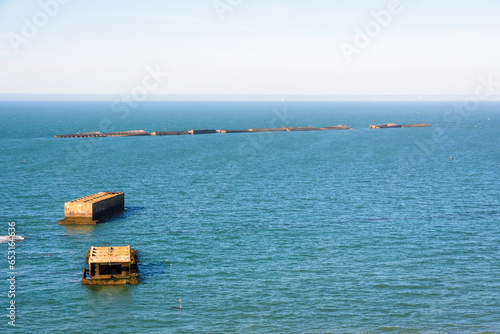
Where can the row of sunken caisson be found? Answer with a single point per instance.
(194, 132)
(213, 131)
(106, 265)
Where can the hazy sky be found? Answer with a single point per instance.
(417, 47)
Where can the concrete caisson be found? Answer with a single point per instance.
(93, 209)
(394, 125)
(111, 266)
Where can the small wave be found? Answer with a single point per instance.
(180, 232)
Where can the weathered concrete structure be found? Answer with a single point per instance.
(297, 128)
(232, 131)
(108, 134)
(211, 131)
(82, 135)
(394, 125)
(202, 132)
(421, 125)
(93, 209)
(170, 133)
(267, 130)
(385, 126)
(127, 133)
(111, 266)
(336, 127)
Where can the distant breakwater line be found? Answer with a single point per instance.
(213, 131)
(196, 132)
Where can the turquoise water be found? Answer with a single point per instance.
(298, 232)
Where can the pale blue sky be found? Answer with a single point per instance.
(260, 47)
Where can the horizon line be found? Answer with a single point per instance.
(6, 97)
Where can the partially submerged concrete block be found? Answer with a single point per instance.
(93, 209)
(336, 127)
(82, 135)
(127, 133)
(232, 131)
(111, 266)
(385, 126)
(202, 132)
(394, 125)
(421, 125)
(302, 128)
(267, 130)
(170, 133)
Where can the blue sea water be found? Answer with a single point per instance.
(353, 231)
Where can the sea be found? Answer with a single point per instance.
(349, 231)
